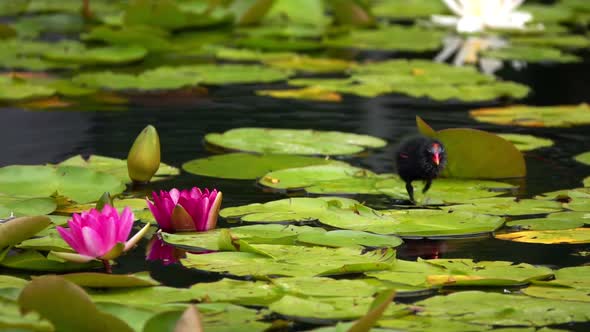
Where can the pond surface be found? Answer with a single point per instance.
(36, 137)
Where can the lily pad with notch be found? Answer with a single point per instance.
(535, 116)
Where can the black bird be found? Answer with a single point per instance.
(420, 158)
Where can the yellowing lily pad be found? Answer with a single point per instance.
(252, 166)
(535, 116)
(525, 142)
(14, 89)
(477, 154)
(292, 141)
(584, 158)
(309, 93)
(568, 236)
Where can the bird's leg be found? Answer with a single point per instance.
(427, 186)
(410, 191)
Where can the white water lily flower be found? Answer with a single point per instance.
(477, 15)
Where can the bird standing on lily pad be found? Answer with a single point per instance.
(420, 158)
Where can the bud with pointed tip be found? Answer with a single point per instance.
(143, 160)
(105, 199)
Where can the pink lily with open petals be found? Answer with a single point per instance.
(98, 234)
(186, 210)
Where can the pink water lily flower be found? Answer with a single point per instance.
(98, 234)
(186, 210)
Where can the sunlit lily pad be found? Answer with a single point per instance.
(252, 166)
(78, 53)
(292, 261)
(584, 158)
(417, 78)
(562, 41)
(558, 293)
(310, 65)
(31, 260)
(560, 220)
(116, 167)
(496, 157)
(577, 199)
(507, 206)
(525, 142)
(102, 280)
(349, 214)
(535, 116)
(70, 181)
(409, 9)
(393, 37)
(148, 37)
(414, 323)
(15, 89)
(312, 309)
(461, 272)
(24, 206)
(220, 317)
(347, 238)
(237, 292)
(292, 141)
(344, 179)
(568, 236)
(503, 310)
(531, 54)
(23, 54)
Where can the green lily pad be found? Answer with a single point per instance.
(583, 158)
(417, 78)
(237, 292)
(345, 179)
(148, 37)
(14, 89)
(12, 282)
(535, 116)
(587, 182)
(23, 54)
(292, 141)
(142, 296)
(388, 38)
(577, 199)
(409, 9)
(308, 64)
(558, 293)
(503, 310)
(560, 220)
(170, 78)
(67, 306)
(525, 142)
(291, 261)
(507, 206)
(349, 214)
(548, 40)
(19, 206)
(325, 287)
(413, 323)
(78, 53)
(31, 260)
(102, 280)
(70, 181)
(215, 317)
(312, 309)
(461, 273)
(252, 166)
(496, 158)
(347, 238)
(51, 242)
(531, 54)
(116, 167)
(555, 13)
(12, 319)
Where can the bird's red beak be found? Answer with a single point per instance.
(436, 158)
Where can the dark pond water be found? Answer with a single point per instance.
(32, 137)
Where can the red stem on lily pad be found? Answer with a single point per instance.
(107, 266)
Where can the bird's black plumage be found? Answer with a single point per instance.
(420, 158)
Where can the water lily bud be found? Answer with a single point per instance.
(143, 160)
(105, 199)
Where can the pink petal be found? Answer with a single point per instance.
(125, 224)
(70, 239)
(94, 243)
(161, 217)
